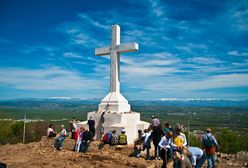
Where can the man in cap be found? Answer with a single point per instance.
(209, 143)
(155, 122)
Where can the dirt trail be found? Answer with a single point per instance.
(41, 154)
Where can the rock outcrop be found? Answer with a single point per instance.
(42, 154)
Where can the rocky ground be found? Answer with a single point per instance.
(41, 154)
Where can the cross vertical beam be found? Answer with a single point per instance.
(115, 60)
(114, 101)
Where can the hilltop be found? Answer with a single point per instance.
(41, 154)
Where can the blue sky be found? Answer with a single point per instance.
(188, 49)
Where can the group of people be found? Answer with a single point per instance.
(82, 135)
(171, 144)
(113, 138)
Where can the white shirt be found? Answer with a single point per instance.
(184, 138)
(196, 154)
(165, 142)
(63, 132)
(49, 130)
(146, 135)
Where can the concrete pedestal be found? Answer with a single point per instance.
(114, 102)
(130, 121)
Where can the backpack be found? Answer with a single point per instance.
(106, 137)
(88, 135)
(208, 143)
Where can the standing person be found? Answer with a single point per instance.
(123, 138)
(209, 143)
(196, 155)
(164, 144)
(147, 142)
(179, 141)
(73, 128)
(155, 122)
(183, 160)
(60, 138)
(91, 124)
(50, 132)
(79, 140)
(156, 136)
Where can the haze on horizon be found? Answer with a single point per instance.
(188, 49)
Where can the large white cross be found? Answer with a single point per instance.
(114, 50)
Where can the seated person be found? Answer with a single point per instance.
(114, 138)
(60, 138)
(123, 138)
(50, 131)
(107, 137)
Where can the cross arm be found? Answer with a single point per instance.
(102, 51)
(128, 47)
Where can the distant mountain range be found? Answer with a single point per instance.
(161, 102)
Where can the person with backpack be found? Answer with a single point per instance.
(123, 138)
(114, 140)
(209, 143)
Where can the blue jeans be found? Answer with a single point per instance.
(58, 142)
(147, 152)
(211, 161)
(200, 162)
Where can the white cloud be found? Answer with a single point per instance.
(240, 19)
(90, 20)
(72, 55)
(53, 78)
(146, 71)
(157, 8)
(33, 48)
(175, 84)
(237, 53)
(204, 60)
